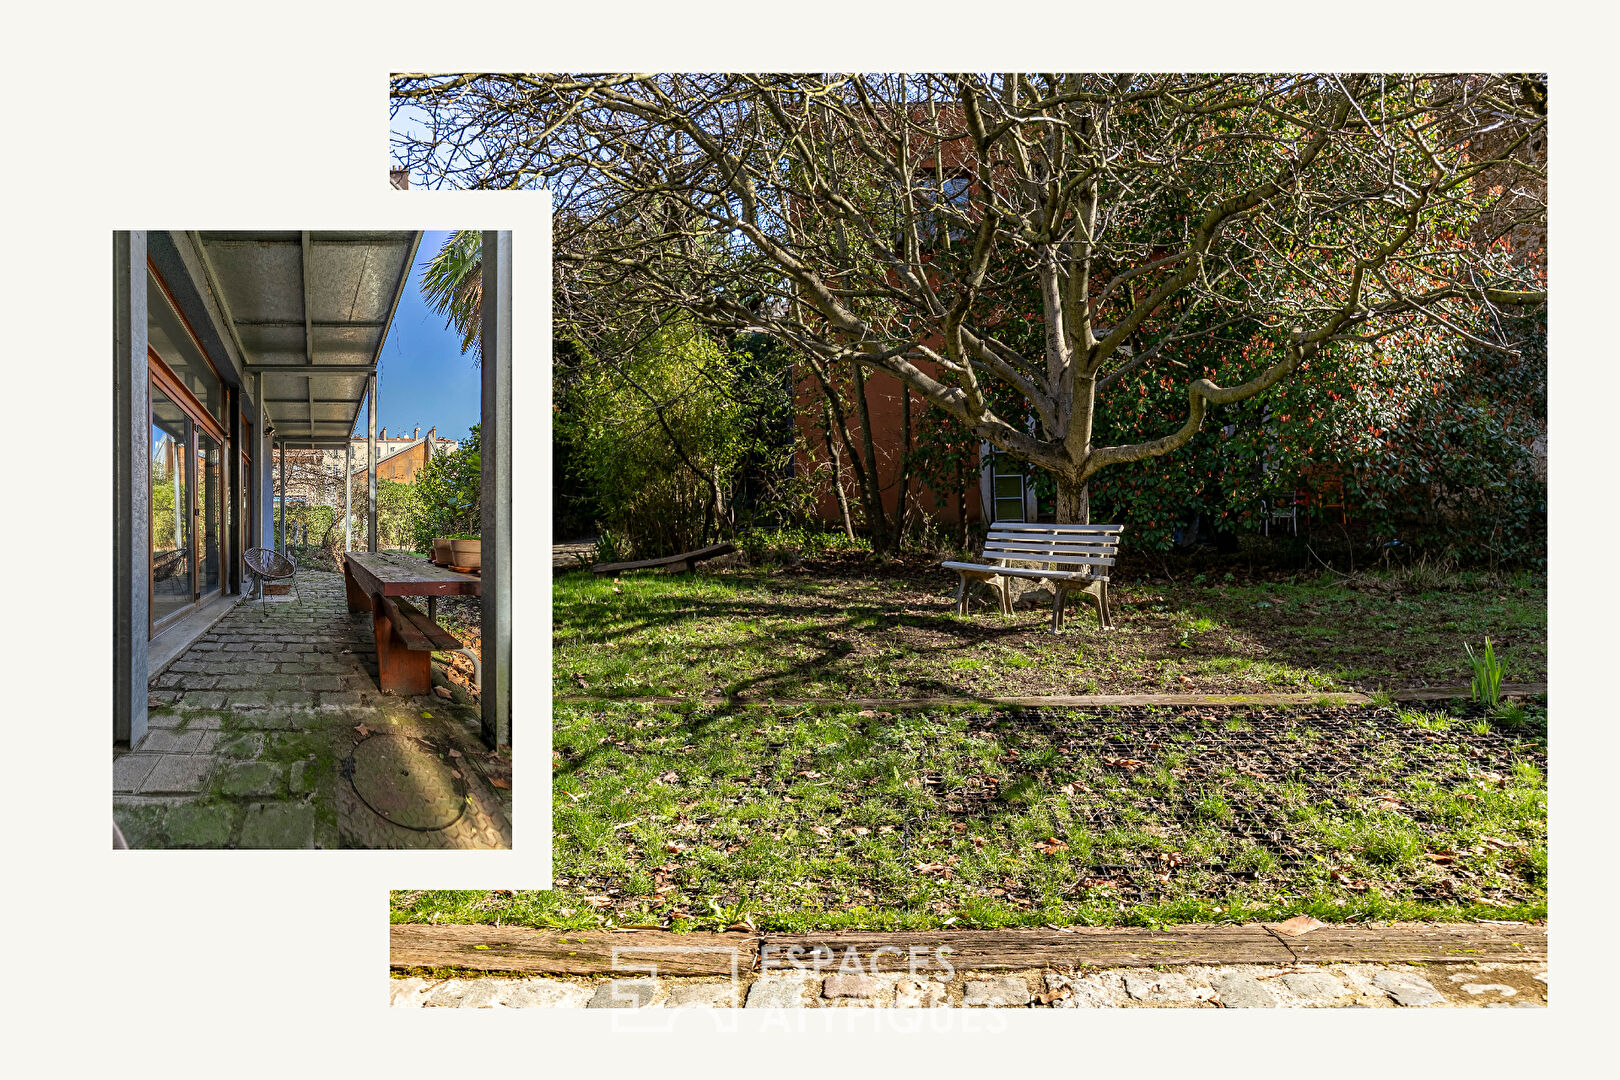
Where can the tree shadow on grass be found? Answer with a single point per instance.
(891, 631)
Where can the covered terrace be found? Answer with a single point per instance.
(249, 721)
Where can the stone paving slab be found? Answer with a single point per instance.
(1358, 986)
(252, 724)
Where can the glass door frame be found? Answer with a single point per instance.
(198, 422)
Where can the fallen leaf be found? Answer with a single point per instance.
(1298, 925)
(362, 730)
(1051, 846)
(455, 753)
(501, 782)
(443, 692)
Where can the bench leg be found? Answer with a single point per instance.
(961, 593)
(402, 671)
(1059, 595)
(358, 600)
(1004, 593)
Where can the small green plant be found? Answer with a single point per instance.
(610, 547)
(1511, 714)
(1487, 684)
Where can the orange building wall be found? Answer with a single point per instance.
(401, 467)
(883, 401)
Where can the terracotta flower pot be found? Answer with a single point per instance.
(441, 550)
(465, 553)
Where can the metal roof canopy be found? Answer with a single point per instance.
(310, 312)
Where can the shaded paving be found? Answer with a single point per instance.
(271, 732)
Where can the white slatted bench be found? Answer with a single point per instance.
(1074, 558)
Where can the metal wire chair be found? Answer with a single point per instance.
(267, 564)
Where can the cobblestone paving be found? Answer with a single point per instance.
(1247, 986)
(251, 727)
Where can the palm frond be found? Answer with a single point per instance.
(453, 284)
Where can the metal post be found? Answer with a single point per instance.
(132, 435)
(348, 470)
(231, 469)
(281, 529)
(262, 519)
(371, 462)
(495, 530)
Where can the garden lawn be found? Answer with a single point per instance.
(692, 817)
(845, 626)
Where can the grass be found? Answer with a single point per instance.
(703, 816)
(843, 626)
(694, 818)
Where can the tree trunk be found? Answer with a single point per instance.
(905, 468)
(877, 522)
(1073, 501)
(838, 473)
(865, 478)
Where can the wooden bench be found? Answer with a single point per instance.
(406, 636)
(687, 560)
(1074, 558)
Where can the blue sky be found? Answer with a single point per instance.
(424, 379)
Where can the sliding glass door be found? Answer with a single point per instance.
(211, 514)
(188, 468)
(188, 502)
(172, 550)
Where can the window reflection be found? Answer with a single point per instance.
(171, 510)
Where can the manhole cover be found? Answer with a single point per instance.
(405, 781)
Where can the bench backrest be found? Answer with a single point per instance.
(1063, 546)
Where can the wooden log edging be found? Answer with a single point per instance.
(1446, 693)
(589, 952)
(541, 952)
(1038, 702)
(1073, 701)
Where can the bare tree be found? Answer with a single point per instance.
(1023, 237)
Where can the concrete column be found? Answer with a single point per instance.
(132, 448)
(495, 530)
(264, 520)
(231, 467)
(371, 462)
(348, 469)
(281, 469)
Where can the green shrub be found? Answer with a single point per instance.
(444, 498)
